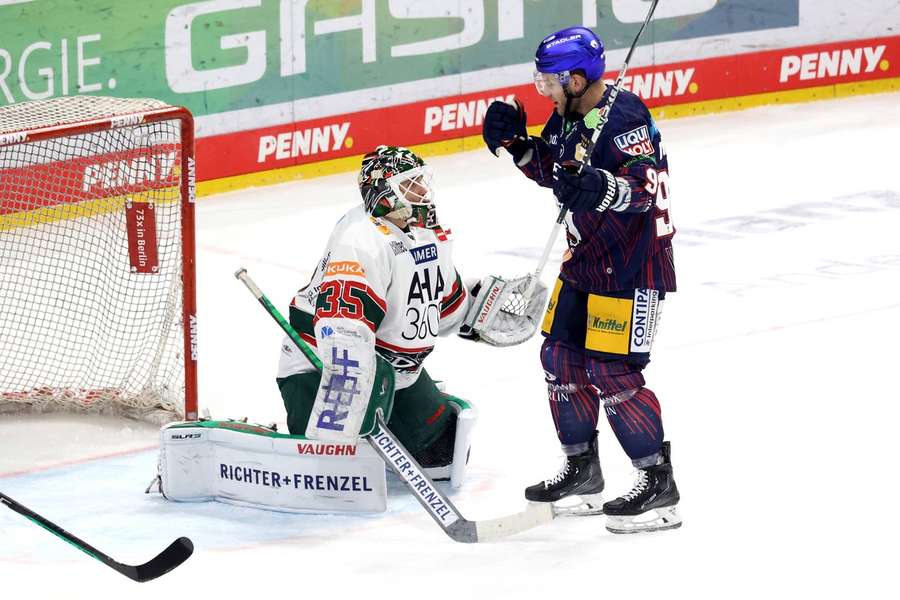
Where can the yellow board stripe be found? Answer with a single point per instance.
(77, 210)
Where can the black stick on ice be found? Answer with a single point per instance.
(177, 552)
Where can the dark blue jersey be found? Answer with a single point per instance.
(629, 245)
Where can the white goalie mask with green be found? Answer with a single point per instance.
(396, 183)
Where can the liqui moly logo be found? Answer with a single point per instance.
(127, 173)
(306, 142)
(458, 115)
(326, 449)
(836, 63)
(636, 142)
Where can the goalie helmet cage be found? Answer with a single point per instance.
(97, 259)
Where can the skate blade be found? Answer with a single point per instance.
(657, 519)
(579, 506)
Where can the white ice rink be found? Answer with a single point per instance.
(776, 367)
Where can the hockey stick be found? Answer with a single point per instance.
(177, 552)
(386, 444)
(596, 119)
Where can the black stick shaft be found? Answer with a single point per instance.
(175, 554)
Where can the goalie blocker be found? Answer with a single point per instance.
(249, 465)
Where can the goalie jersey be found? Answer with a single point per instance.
(377, 289)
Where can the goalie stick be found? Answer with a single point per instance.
(176, 553)
(596, 119)
(386, 444)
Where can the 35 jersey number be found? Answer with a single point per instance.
(338, 300)
(658, 185)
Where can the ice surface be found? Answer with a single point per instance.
(776, 367)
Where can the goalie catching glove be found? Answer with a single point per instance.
(500, 314)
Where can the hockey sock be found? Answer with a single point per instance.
(638, 426)
(575, 410)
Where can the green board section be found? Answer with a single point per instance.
(222, 55)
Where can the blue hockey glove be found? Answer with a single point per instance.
(504, 125)
(591, 189)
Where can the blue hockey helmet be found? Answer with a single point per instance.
(569, 50)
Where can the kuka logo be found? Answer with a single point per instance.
(313, 140)
(837, 63)
(345, 267)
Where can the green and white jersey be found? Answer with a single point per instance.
(377, 288)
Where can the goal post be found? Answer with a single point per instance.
(97, 258)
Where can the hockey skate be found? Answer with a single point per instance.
(576, 489)
(651, 505)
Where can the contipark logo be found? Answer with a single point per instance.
(834, 63)
(304, 142)
(459, 115)
(661, 84)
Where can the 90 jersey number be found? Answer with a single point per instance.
(658, 186)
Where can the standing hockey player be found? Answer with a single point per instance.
(385, 284)
(604, 310)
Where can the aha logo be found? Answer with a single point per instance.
(636, 142)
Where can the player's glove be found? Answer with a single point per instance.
(591, 189)
(504, 126)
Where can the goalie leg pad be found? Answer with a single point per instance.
(248, 465)
(298, 392)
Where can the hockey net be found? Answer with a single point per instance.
(97, 297)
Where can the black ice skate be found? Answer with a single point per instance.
(651, 505)
(580, 479)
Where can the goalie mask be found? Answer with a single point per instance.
(396, 183)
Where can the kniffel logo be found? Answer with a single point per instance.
(424, 253)
(609, 325)
(636, 142)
